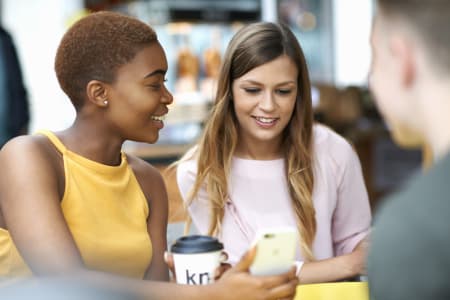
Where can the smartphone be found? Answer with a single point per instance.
(275, 251)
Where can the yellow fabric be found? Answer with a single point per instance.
(11, 263)
(106, 212)
(333, 291)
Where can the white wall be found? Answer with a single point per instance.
(352, 20)
(269, 10)
(36, 27)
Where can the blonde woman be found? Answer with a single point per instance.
(262, 161)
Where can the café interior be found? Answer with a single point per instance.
(333, 33)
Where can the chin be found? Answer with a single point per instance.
(406, 137)
(151, 139)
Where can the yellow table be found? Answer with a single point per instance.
(333, 291)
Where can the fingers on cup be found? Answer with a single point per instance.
(223, 257)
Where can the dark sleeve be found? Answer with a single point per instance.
(409, 254)
(18, 106)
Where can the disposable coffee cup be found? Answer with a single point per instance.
(196, 257)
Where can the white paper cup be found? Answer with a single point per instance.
(196, 257)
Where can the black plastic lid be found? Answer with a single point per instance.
(196, 244)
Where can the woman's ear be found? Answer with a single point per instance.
(97, 93)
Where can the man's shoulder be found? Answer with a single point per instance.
(416, 216)
(425, 194)
(410, 243)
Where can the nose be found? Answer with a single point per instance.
(267, 101)
(167, 97)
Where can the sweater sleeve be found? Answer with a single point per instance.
(352, 215)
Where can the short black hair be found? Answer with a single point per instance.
(95, 47)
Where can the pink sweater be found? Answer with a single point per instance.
(259, 199)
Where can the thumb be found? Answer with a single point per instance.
(246, 260)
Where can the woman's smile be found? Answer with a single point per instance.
(266, 122)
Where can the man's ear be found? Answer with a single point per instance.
(404, 56)
(97, 93)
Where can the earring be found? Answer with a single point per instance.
(105, 102)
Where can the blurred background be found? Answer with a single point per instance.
(333, 33)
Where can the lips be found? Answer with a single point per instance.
(265, 120)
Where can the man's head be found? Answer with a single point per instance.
(411, 48)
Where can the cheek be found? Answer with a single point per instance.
(242, 104)
(238, 109)
(379, 89)
(289, 107)
(241, 115)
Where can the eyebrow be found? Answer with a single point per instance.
(256, 82)
(156, 72)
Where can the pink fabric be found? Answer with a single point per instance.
(259, 199)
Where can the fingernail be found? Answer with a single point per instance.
(223, 257)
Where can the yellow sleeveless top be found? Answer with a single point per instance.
(106, 212)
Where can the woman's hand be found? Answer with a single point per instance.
(168, 258)
(229, 281)
(238, 283)
(223, 266)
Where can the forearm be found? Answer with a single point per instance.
(332, 269)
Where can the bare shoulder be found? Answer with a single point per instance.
(148, 176)
(31, 173)
(27, 151)
(143, 169)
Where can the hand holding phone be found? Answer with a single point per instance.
(275, 251)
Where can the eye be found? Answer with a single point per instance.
(252, 90)
(284, 91)
(157, 86)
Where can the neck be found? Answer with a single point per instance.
(258, 150)
(96, 145)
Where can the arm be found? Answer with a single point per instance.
(350, 223)
(336, 268)
(30, 202)
(154, 188)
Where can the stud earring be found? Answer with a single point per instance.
(105, 102)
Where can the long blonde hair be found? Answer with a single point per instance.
(252, 46)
